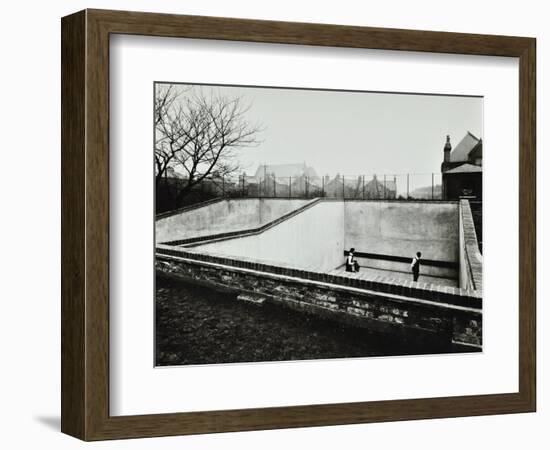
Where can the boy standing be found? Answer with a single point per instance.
(415, 266)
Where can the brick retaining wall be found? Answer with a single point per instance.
(425, 291)
(398, 306)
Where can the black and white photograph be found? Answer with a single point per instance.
(306, 224)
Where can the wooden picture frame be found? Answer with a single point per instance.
(85, 224)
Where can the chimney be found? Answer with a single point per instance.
(447, 150)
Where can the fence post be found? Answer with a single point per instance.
(274, 187)
(289, 187)
(407, 186)
(343, 187)
(384, 186)
(432, 185)
(223, 185)
(243, 185)
(323, 186)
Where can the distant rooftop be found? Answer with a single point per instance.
(285, 170)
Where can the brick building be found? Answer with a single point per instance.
(462, 168)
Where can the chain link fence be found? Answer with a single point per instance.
(174, 193)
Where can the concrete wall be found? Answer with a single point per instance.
(317, 237)
(223, 216)
(313, 240)
(403, 228)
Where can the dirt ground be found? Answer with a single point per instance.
(197, 325)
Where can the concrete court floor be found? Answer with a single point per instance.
(370, 272)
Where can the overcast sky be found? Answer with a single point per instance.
(355, 133)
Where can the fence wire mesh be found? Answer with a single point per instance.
(177, 192)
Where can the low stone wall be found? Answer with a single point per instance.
(391, 307)
(407, 288)
(471, 260)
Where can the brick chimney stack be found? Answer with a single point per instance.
(447, 150)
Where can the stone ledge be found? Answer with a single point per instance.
(471, 246)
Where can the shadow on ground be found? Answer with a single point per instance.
(51, 422)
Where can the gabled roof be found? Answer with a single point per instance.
(374, 183)
(465, 168)
(285, 170)
(462, 150)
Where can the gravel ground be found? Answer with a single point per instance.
(197, 325)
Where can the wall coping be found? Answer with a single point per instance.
(410, 289)
(474, 258)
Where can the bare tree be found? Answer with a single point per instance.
(199, 133)
(165, 98)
